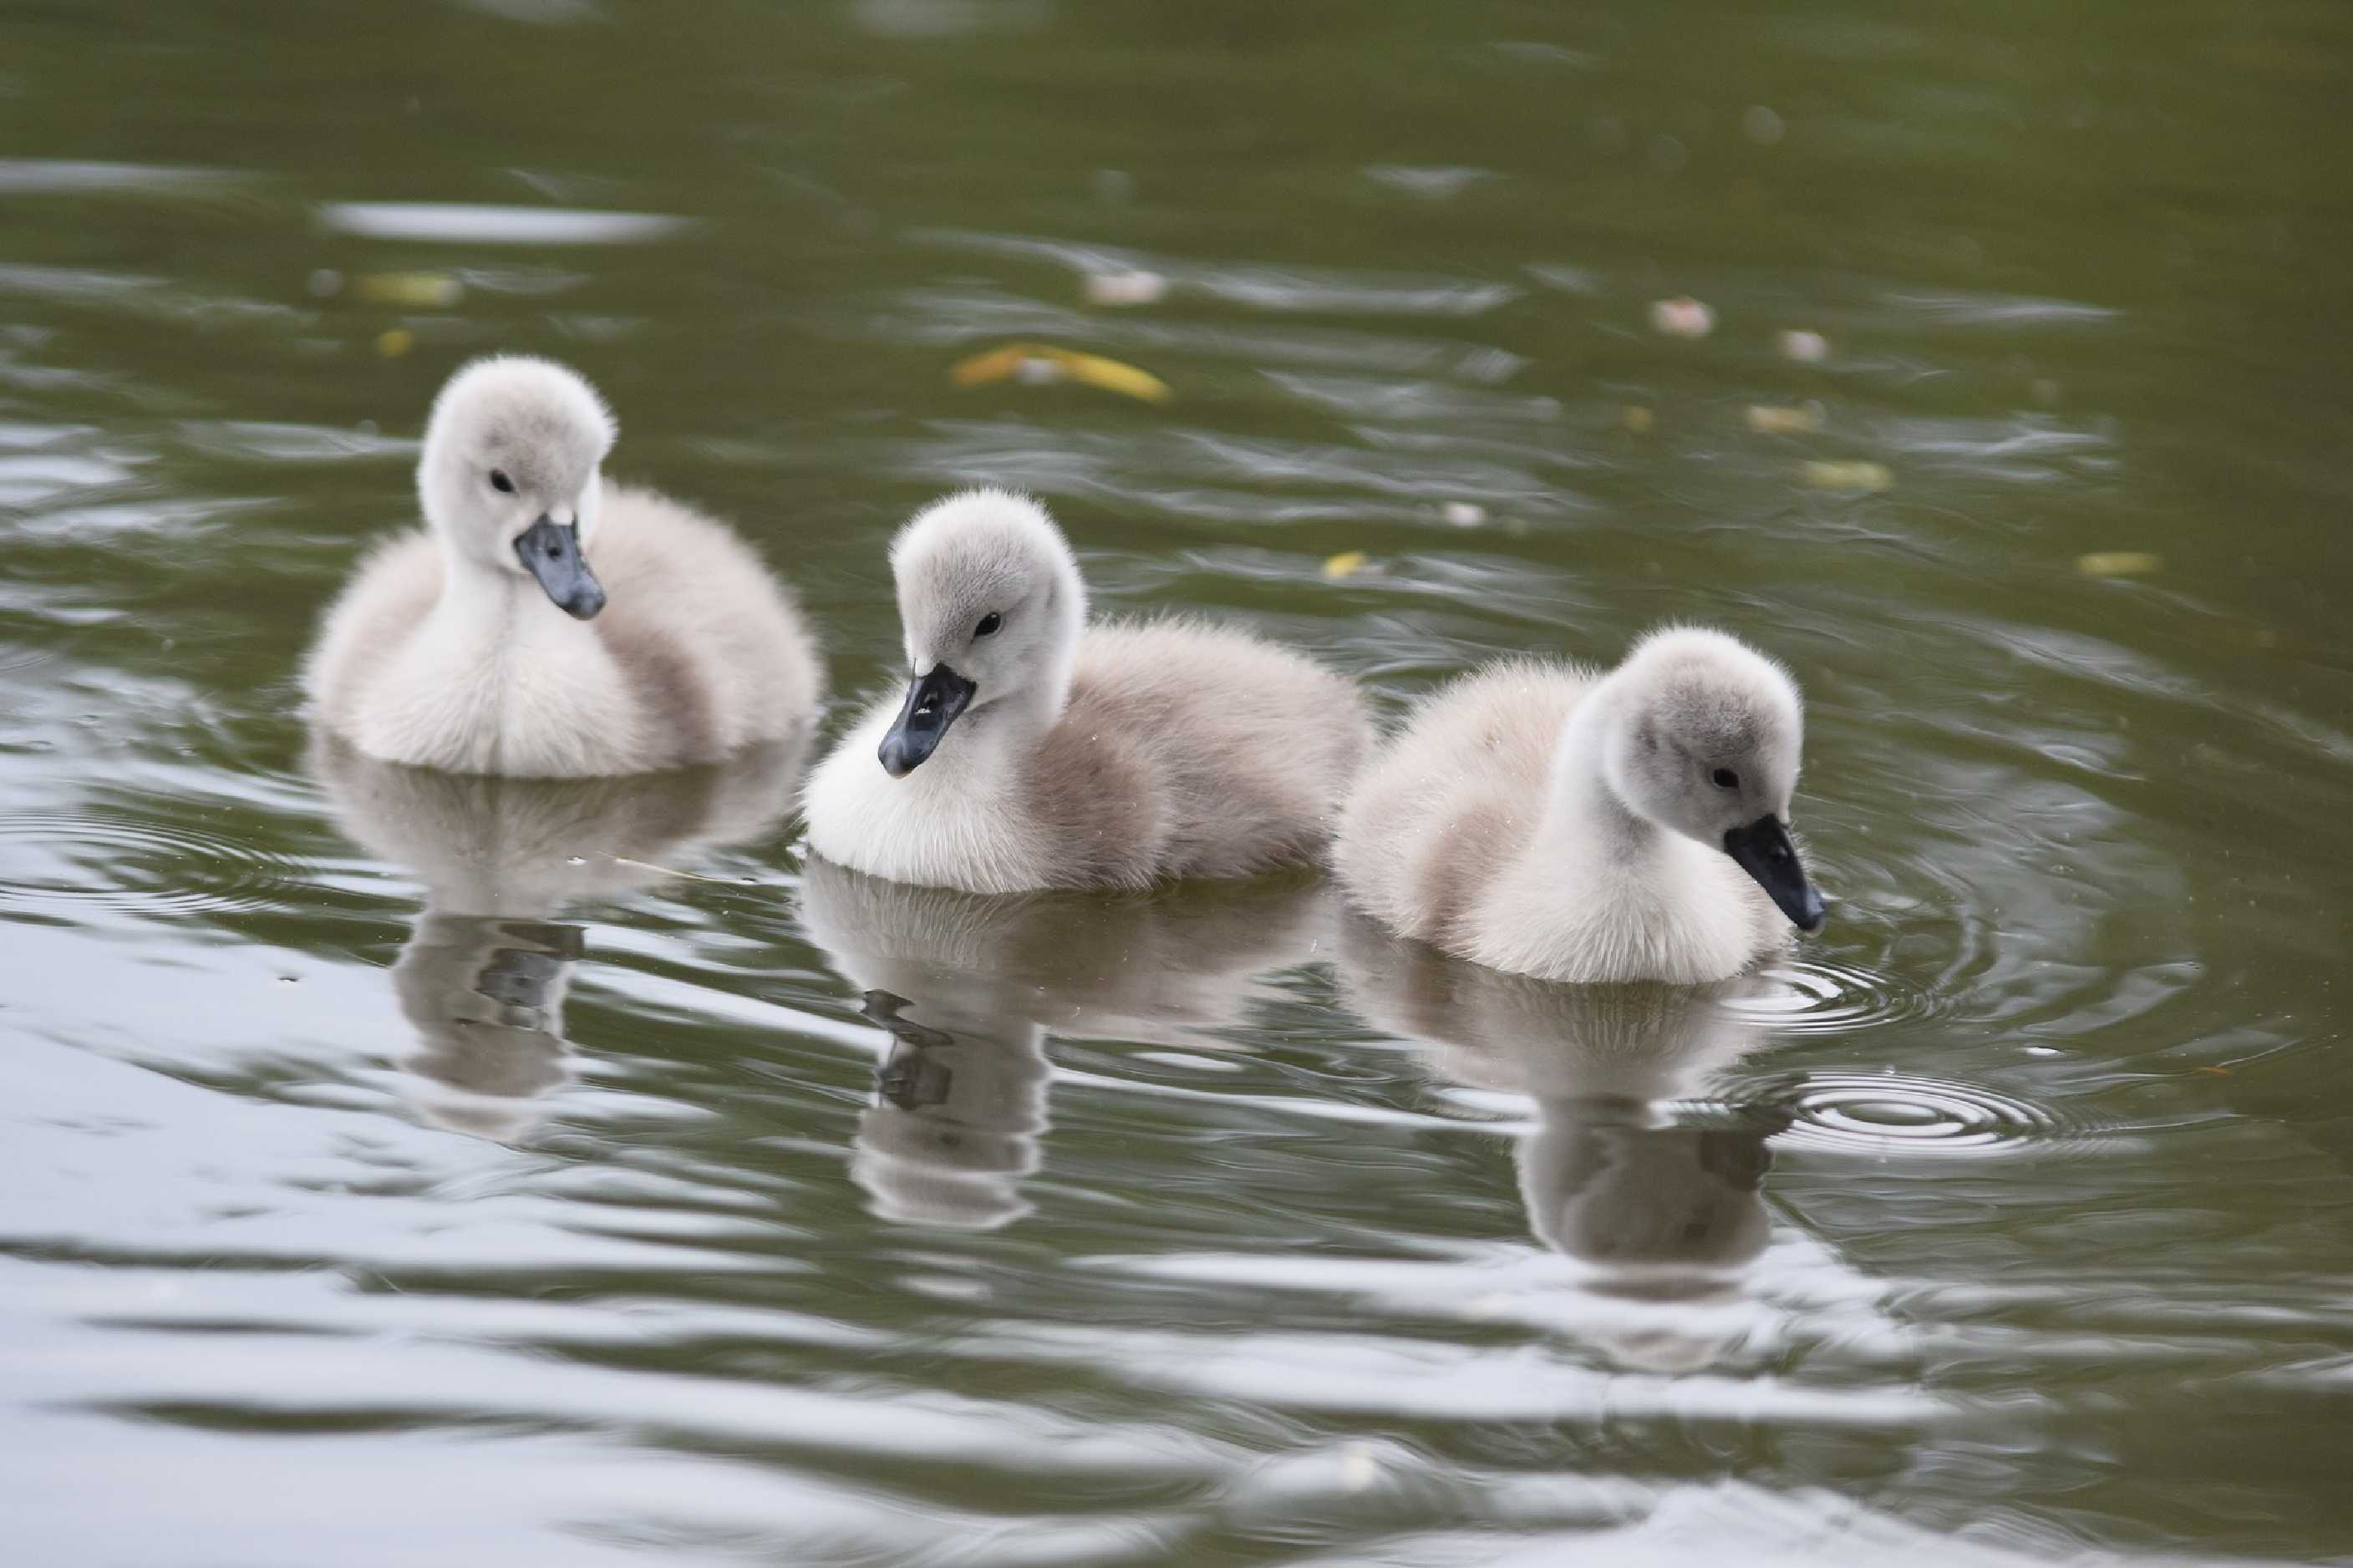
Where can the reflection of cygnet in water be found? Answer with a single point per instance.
(486, 999)
(969, 986)
(483, 974)
(1659, 1212)
(956, 1118)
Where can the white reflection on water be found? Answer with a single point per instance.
(483, 974)
(453, 223)
(968, 988)
(37, 177)
(1664, 1212)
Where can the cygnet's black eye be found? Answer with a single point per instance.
(501, 483)
(988, 624)
(1725, 778)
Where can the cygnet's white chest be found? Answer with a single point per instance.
(1671, 913)
(952, 823)
(514, 687)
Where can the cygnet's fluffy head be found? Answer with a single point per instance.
(991, 605)
(511, 474)
(1704, 737)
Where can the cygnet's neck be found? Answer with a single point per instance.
(1584, 818)
(996, 735)
(997, 729)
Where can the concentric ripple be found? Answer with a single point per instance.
(1811, 996)
(1891, 1115)
(120, 863)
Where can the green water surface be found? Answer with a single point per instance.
(405, 1171)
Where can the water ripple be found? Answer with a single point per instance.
(1816, 996)
(30, 176)
(1896, 1116)
(1351, 290)
(60, 859)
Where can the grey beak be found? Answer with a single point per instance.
(1763, 850)
(552, 551)
(933, 703)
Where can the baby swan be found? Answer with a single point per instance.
(547, 623)
(1589, 826)
(1082, 756)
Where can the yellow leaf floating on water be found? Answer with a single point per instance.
(1779, 421)
(417, 290)
(394, 344)
(1043, 365)
(1347, 563)
(1848, 475)
(2119, 564)
(996, 364)
(1639, 419)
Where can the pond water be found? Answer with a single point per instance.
(405, 1170)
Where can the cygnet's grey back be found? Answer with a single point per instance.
(714, 645)
(1453, 795)
(1191, 750)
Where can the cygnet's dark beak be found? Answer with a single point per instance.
(552, 551)
(1763, 850)
(933, 703)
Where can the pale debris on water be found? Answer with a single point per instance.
(1848, 475)
(1684, 317)
(1347, 563)
(1359, 1468)
(1042, 364)
(1135, 287)
(667, 871)
(1775, 420)
(395, 342)
(1806, 347)
(1639, 419)
(2119, 564)
(1464, 513)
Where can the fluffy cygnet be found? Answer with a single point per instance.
(1589, 827)
(1033, 751)
(547, 623)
